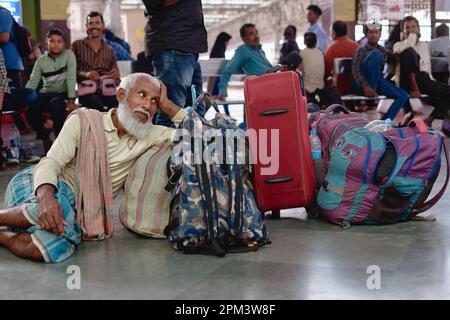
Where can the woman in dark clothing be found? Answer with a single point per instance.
(220, 46)
(218, 51)
(290, 45)
(394, 37)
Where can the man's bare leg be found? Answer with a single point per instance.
(21, 245)
(14, 217)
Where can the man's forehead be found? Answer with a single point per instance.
(145, 84)
(411, 23)
(94, 19)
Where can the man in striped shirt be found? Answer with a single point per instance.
(95, 59)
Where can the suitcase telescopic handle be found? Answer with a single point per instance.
(279, 180)
(273, 112)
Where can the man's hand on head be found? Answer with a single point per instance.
(164, 104)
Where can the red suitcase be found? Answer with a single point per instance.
(278, 101)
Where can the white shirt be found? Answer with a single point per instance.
(422, 50)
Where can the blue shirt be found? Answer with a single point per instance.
(253, 62)
(121, 53)
(13, 60)
(322, 37)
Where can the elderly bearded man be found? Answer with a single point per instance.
(68, 196)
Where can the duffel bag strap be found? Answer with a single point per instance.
(336, 107)
(205, 189)
(209, 102)
(173, 178)
(427, 205)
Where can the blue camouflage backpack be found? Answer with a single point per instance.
(213, 208)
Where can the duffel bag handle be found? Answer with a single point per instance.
(427, 205)
(335, 107)
(419, 124)
(209, 101)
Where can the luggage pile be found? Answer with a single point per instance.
(361, 176)
(378, 178)
(375, 177)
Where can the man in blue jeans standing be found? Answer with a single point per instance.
(175, 35)
(367, 71)
(13, 63)
(19, 96)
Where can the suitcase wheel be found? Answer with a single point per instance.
(275, 214)
(346, 225)
(313, 211)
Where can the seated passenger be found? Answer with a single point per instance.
(439, 45)
(121, 48)
(249, 57)
(367, 72)
(95, 59)
(289, 45)
(415, 70)
(342, 47)
(68, 196)
(313, 64)
(57, 71)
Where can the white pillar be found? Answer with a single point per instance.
(112, 16)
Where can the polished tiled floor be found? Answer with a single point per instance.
(307, 260)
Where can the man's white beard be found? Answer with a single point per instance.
(132, 125)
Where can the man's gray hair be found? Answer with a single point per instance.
(129, 81)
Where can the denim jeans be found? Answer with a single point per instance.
(16, 100)
(55, 104)
(371, 69)
(179, 71)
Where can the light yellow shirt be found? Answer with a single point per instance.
(313, 67)
(122, 152)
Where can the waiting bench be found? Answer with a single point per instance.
(214, 68)
(344, 66)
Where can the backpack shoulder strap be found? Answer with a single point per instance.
(427, 205)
